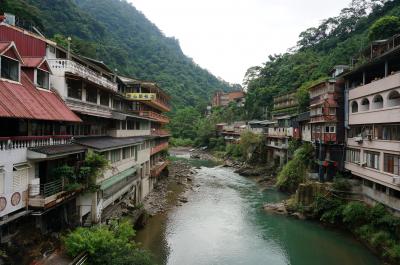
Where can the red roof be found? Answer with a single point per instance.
(34, 62)
(4, 45)
(26, 101)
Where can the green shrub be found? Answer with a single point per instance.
(380, 239)
(365, 231)
(356, 214)
(181, 142)
(393, 253)
(65, 172)
(384, 27)
(234, 150)
(328, 209)
(341, 184)
(107, 244)
(291, 175)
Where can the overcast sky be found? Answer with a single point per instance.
(229, 36)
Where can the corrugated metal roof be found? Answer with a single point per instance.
(33, 61)
(24, 100)
(102, 143)
(59, 149)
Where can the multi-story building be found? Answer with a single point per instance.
(223, 99)
(302, 127)
(373, 123)
(281, 129)
(56, 106)
(327, 120)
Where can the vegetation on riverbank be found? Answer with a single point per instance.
(107, 244)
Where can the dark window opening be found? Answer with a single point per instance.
(9, 69)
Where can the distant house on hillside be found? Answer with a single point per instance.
(223, 99)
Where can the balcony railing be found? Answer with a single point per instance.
(160, 132)
(58, 66)
(88, 107)
(158, 148)
(21, 142)
(154, 115)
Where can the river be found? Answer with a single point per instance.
(224, 224)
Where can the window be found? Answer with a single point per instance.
(115, 155)
(380, 188)
(9, 69)
(364, 104)
(394, 99)
(117, 104)
(134, 152)
(330, 129)
(391, 164)
(91, 94)
(368, 183)
(387, 132)
(332, 111)
(131, 125)
(353, 155)
(371, 159)
(394, 193)
(126, 153)
(42, 79)
(354, 107)
(74, 89)
(377, 102)
(104, 98)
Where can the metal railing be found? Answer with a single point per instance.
(81, 70)
(47, 189)
(20, 142)
(153, 115)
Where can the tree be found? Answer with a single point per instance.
(384, 27)
(184, 123)
(107, 245)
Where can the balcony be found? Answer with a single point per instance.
(158, 168)
(158, 148)
(160, 132)
(150, 101)
(49, 194)
(23, 142)
(89, 108)
(59, 67)
(280, 132)
(153, 115)
(324, 137)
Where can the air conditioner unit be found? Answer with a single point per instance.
(358, 139)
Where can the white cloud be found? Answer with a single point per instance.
(229, 36)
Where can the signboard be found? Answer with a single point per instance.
(141, 96)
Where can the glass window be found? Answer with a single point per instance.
(104, 98)
(371, 159)
(91, 94)
(391, 164)
(332, 111)
(9, 69)
(368, 183)
(353, 156)
(42, 79)
(74, 89)
(126, 153)
(115, 155)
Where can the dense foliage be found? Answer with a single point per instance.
(295, 171)
(115, 32)
(374, 225)
(107, 244)
(335, 41)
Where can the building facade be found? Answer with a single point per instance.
(57, 107)
(373, 121)
(223, 99)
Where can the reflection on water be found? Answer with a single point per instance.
(223, 223)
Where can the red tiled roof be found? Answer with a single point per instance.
(26, 101)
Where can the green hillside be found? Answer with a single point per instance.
(335, 41)
(117, 33)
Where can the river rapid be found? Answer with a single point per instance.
(224, 224)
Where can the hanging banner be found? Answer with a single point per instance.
(141, 96)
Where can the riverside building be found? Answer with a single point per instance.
(56, 106)
(373, 122)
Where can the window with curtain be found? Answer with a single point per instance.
(391, 164)
(353, 155)
(372, 159)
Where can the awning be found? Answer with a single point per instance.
(104, 143)
(51, 151)
(117, 178)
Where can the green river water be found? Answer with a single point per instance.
(224, 224)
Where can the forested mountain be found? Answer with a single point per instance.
(117, 33)
(335, 41)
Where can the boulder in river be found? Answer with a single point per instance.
(276, 208)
